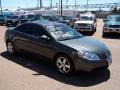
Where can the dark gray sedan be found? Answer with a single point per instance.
(63, 46)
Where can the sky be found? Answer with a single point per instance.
(14, 4)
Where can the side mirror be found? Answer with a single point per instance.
(44, 38)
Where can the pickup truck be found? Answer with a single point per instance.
(86, 23)
(111, 25)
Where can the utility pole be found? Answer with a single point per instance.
(87, 6)
(75, 6)
(50, 3)
(66, 3)
(1, 6)
(41, 4)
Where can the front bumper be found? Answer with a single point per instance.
(112, 30)
(84, 29)
(89, 66)
(11, 23)
(2, 22)
(23, 21)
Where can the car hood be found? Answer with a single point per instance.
(113, 23)
(86, 44)
(86, 22)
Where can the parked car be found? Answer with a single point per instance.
(56, 19)
(31, 17)
(21, 20)
(51, 18)
(86, 23)
(69, 20)
(111, 25)
(67, 49)
(2, 19)
(12, 20)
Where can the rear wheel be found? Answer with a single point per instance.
(10, 48)
(64, 65)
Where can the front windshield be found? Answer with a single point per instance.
(117, 18)
(47, 17)
(62, 32)
(22, 17)
(13, 17)
(1, 16)
(87, 18)
(30, 16)
(65, 17)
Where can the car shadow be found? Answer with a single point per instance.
(79, 79)
(112, 36)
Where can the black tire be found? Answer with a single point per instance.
(66, 67)
(104, 34)
(1, 24)
(10, 48)
(7, 25)
(95, 29)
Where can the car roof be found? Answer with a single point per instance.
(88, 15)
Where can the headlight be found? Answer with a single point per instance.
(88, 55)
(75, 25)
(106, 26)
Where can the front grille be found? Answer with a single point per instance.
(82, 25)
(1, 20)
(114, 26)
(9, 21)
(23, 21)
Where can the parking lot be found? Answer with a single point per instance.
(27, 73)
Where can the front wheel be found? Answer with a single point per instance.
(10, 48)
(64, 65)
(104, 34)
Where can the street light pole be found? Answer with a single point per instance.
(61, 7)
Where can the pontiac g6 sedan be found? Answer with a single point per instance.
(67, 49)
